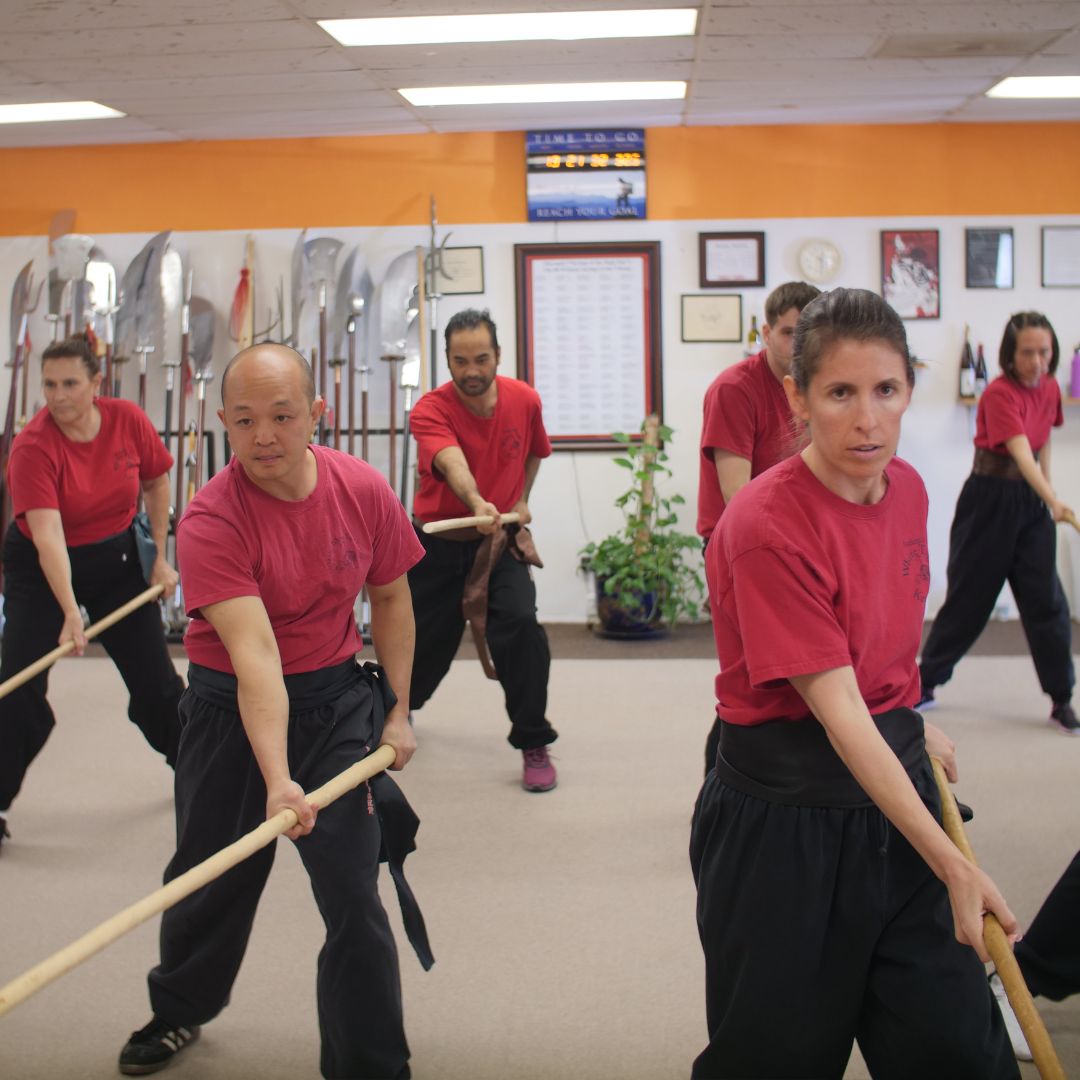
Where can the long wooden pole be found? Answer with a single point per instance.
(50, 969)
(92, 631)
(469, 522)
(997, 945)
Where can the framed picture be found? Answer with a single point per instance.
(712, 318)
(1061, 256)
(733, 258)
(910, 283)
(589, 337)
(459, 271)
(988, 258)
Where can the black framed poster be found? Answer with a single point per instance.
(988, 258)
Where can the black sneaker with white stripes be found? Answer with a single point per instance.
(154, 1046)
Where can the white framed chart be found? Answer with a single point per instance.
(588, 322)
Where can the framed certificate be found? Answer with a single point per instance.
(733, 258)
(589, 337)
(1061, 256)
(459, 271)
(712, 318)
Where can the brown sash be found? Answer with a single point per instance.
(474, 601)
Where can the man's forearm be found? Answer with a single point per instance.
(393, 633)
(532, 467)
(264, 712)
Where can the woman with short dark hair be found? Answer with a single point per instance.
(75, 474)
(1003, 529)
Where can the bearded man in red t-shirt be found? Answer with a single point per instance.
(480, 439)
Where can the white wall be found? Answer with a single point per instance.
(572, 501)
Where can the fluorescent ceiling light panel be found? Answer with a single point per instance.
(44, 111)
(1037, 86)
(526, 93)
(521, 26)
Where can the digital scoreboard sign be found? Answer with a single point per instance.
(585, 175)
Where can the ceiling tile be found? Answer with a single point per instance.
(164, 41)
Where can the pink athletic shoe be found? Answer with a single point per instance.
(539, 773)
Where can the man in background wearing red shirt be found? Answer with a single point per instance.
(481, 437)
(747, 426)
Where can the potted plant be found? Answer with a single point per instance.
(647, 574)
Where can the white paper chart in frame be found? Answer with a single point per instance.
(589, 337)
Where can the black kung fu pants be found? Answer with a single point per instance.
(104, 576)
(1049, 952)
(821, 925)
(220, 794)
(518, 643)
(1002, 531)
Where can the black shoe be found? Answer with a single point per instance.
(154, 1046)
(1062, 716)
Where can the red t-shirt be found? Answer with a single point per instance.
(495, 447)
(1008, 408)
(95, 484)
(307, 561)
(746, 413)
(802, 581)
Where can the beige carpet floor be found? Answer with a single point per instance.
(563, 924)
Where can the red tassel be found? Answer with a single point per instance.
(241, 299)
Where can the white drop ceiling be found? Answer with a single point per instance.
(257, 69)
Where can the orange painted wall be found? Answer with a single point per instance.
(697, 172)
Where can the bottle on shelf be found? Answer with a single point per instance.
(980, 371)
(967, 368)
(1074, 376)
(753, 338)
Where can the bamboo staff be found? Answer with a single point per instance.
(469, 522)
(50, 969)
(650, 446)
(50, 658)
(997, 945)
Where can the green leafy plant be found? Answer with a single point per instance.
(648, 557)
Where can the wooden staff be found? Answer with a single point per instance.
(49, 659)
(997, 945)
(19, 989)
(469, 522)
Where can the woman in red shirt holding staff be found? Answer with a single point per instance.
(74, 475)
(1003, 529)
(831, 905)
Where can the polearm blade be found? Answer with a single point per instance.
(410, 377)
(353, 297)
(101, 277)
(299, 290)
(181, 408)
(20, 303)
(141, 305)
(202, 351)
(395, 296)
(72, 256)
(320, 255)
